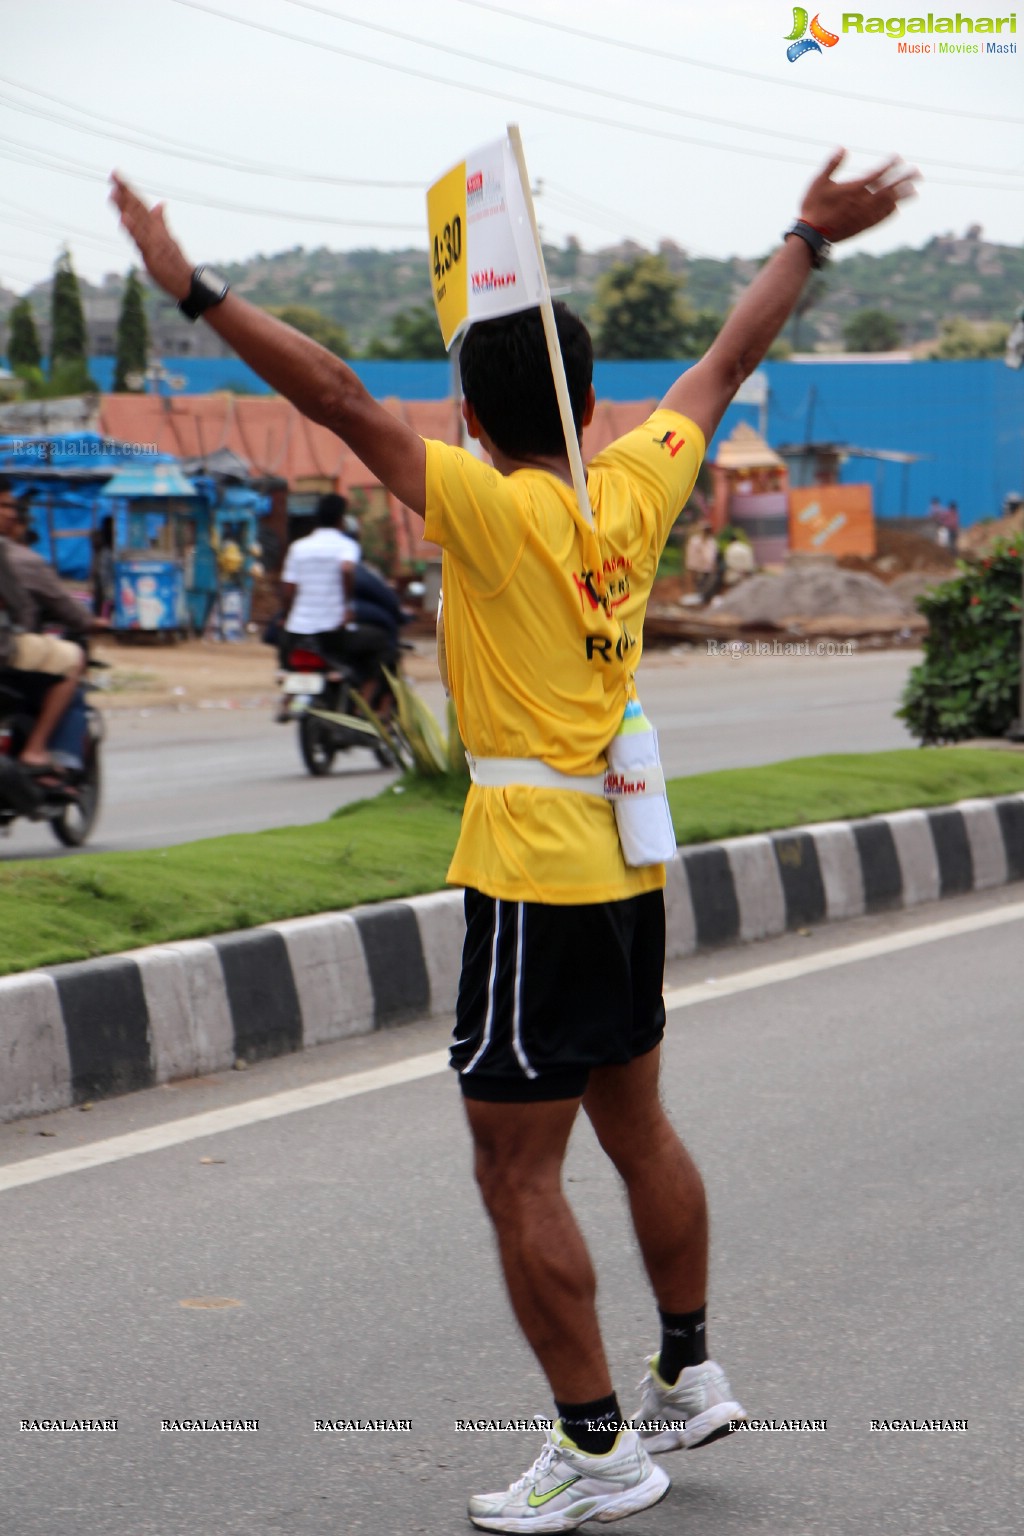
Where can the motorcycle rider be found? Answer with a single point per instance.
(322, 585)
(49, 600)
(50, 603)
(317, 572)
(60, 663)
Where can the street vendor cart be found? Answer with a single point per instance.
(154, 508)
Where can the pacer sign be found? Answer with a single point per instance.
(482, 255)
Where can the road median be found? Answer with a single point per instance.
(225, 963)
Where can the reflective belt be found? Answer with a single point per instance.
(534, 773)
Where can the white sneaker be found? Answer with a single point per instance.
(698, 1409)
(565, 1486)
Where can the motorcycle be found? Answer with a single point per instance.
(71, 803)
(320, 693)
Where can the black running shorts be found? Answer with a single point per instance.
(548, 992)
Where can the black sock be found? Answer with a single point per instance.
(592, 1426)
(682, 1343)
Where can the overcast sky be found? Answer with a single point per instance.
(668, 120)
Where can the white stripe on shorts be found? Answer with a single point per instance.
(517, 1006)
(492, 982)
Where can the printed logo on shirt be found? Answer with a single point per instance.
(585, 587)
(614, 583)
(673, 441)
(604, 649)
(606, 591)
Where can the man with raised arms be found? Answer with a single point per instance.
(560, 1000)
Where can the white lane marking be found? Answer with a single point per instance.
(213, 1121)
(115, 1149)
(849, 954)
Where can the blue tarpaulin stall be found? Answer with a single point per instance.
(151, 505)
(183, 523)
(64, 476)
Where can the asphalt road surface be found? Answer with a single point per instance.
(859, 1127)
(172, 778)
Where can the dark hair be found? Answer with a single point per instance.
(506, 377)
(6, 483)
(330, 510)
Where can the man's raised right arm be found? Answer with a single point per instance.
(835, 209)
(316, 382)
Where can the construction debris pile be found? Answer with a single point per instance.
(849, 597)
(805, 591)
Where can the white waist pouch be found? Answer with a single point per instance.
(634, 782)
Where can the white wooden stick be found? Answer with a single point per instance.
(579, 476)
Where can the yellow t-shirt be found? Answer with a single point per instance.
(543, 627)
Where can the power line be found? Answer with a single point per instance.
(728, 69)
(568, 202)
(184, 150)
(28, 154)
(49, 227)
(601, 120)
(605, 94)
(19, 259)
(476, 90)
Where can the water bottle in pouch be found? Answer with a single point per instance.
(635, 784)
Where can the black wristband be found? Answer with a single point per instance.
(205, 290)
(819, 246)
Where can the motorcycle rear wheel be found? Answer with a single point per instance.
(316, 745)
(75, 822)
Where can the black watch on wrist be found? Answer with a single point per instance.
(821, 250)
(206, 290)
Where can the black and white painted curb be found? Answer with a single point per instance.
(110, 1026)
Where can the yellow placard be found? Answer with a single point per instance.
(446, 230)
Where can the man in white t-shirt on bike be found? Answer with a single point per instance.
(317, 575)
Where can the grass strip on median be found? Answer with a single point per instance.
(399, 844)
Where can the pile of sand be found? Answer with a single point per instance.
(811, 592)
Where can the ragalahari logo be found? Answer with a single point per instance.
(799, 44)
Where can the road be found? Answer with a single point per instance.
(173, 777)
(859, 1127)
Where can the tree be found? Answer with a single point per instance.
(68, 378)
(67, 320)
(871, 330)
(639, 312)
(23, 349)
(959, 339)
(132, 337)
(415, 335)
(317, 326)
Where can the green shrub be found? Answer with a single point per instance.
(415, 740)
(969, 682)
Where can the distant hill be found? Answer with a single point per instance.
(951, 276)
